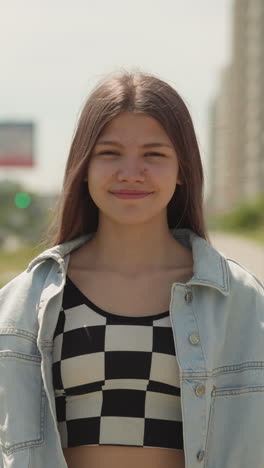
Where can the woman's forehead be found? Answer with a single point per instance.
(127, 126)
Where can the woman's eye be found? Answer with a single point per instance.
(113, 152)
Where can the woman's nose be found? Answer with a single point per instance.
(132, 170)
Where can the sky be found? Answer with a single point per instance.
(53, 53)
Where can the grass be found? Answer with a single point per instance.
(13, 263)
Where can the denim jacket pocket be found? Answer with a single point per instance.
(22, 401)
(235, 436)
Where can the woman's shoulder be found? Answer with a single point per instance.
(40, 265)
(243, 278)
(20, 298)
(26, 287)
(25, 277)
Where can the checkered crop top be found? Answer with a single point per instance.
(116, 379)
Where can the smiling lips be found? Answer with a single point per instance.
(130, 194)
(134, 191)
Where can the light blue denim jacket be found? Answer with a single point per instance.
(217, 319)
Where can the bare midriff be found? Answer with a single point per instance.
(104, 456)
(134, 296)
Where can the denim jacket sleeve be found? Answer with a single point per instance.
(26, 426)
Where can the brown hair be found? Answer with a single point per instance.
(75, 212)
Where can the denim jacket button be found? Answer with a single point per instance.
(200, 455)
(194, 338)
(188, 297)
(200, 390)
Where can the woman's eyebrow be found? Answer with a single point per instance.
(146, 145)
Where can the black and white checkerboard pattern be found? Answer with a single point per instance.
(116, 378)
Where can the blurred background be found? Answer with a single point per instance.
(52, 54)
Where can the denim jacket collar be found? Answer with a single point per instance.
(210, 267)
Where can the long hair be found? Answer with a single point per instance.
(75, 212)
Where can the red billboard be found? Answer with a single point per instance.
(16, 144)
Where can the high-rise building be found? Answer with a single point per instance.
(237, 140)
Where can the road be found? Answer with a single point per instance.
(246, 252)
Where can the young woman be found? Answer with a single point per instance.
(131, 341)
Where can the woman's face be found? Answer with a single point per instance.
(140, 157)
